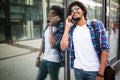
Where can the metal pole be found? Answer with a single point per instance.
(66, 69)
(7, 22)
(104, 10)
(119, 31)
(109, 18)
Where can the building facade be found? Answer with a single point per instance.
(23, 19)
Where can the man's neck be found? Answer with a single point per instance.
(81, 22)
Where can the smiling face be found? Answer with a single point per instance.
(51, 15)
(77, 13)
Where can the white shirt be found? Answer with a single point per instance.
(50, 54)
(85, 55)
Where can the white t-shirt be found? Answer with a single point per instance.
(50, 54)
(85, 55)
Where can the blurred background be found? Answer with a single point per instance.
(21, 25)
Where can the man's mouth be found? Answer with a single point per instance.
(76, 15)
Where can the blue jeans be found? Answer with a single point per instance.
(84, 75)
(47, 67)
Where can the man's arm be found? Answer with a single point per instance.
(53, 21)
(64, 40)
(103, 62)
(52, 37)
(104, 48)
(39, 56)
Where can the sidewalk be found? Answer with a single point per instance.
(117, 77)
(31, 43)
(18, 48)
(8, 51)
(17, 60)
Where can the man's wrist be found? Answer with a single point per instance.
(38, 58)
(100, 75)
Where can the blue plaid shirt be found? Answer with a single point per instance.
(102, 39)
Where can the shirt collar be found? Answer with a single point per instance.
(88, 22)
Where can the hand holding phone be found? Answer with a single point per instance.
(68, 21)
(57, 18)
(54, 20)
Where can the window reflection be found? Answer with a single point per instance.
(2, 33)
(113, 29)
(26, 20)
(2, 14)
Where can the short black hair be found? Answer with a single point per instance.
(59, 11)
(80, 4)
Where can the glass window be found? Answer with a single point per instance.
(48, 4)
(37, 18)
(2, 25)
(113, 29)
(98, 12)
(28, 2)
(94, 10)
(26, 21)
(2, 14)
(16, 9)
(56, 2)
(2, 32)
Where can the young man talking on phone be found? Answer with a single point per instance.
(50, 63)
(80, 42)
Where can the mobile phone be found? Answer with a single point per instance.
(58, 18)
(72, 20)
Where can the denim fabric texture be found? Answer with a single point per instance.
(47, 67)
(84, 75)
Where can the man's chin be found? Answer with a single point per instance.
(76, 19)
